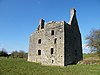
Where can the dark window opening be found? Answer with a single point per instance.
(52, 32)
(39, 52)
(55, 41)
(39, 41)
(51, 50)
(52, 61)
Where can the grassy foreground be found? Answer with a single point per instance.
(10, 66)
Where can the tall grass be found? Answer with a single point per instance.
(10, 66)
(91, 55)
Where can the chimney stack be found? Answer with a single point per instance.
(41, 23)
(72, 15)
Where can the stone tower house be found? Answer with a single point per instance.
(56, 43)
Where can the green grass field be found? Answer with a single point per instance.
(10, 66)
(91, 55)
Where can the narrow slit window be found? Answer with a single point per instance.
(52, 32)
(39, 41)
(51, 50)
(55, 40)
(52, 61)
(39, 52)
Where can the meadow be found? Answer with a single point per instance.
(17, 66)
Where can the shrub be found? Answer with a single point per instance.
(3, 53)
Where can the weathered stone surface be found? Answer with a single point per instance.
(56, 43)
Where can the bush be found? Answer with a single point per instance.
(3, 53)
(20, 54)
(14, 54)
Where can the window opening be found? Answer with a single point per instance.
(39, 52)
(52, 32)
(51, 50)
(52, 61)
(55, 41)
(39, 41)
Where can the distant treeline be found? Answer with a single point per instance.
(14, 54)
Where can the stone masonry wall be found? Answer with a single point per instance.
(48, 42)
(56, 43)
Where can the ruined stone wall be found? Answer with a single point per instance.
(48, 41)
(73, 43)
(77, 42)
(69, 45)
(34, 46)
(56, 43)
(58, 28)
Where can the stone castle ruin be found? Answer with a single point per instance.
(56, 43)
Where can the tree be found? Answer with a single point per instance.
(93, 41)
(14, 54)
(20, 54)
(3, 53)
